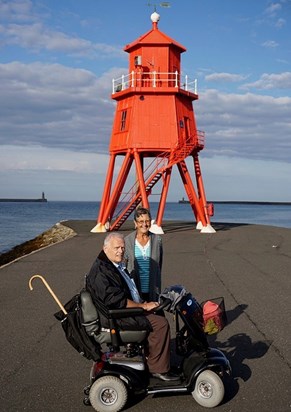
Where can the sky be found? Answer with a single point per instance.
(57, 61)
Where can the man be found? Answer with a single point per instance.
(109, 283)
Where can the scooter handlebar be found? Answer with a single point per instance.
(164, 302)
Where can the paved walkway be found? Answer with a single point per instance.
(249, 265)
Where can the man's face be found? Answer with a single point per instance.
(114, 249)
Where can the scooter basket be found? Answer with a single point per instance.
(214, 315)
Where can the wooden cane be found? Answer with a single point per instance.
(49, 289)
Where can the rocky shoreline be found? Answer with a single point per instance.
(55, 234)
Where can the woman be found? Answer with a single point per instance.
(144, 255)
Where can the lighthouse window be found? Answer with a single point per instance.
(123, 120)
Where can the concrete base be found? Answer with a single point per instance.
(207, 229)
(199, 226)
(99, 228)
(156, 229)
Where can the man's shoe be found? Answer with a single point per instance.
(166, 376)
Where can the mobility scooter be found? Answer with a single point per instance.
(122, 368)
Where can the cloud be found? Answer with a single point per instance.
(280, 23)
(37, 37)
(68, 175)
(61, 174)
(242, 178)
(224, 77)
(23, 26)
(245, 125)
(55, 106)
(271, 81)
(16, 10)
(47, 159)
(273, 9)
(270, 44)
(272, 12)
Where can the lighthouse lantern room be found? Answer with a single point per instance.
(154, 129)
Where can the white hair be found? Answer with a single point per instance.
(112, 235)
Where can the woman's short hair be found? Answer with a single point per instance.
(139, 211)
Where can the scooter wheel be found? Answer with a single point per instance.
(209, 389)
(86, 390)
(86, 401)
(108, 394)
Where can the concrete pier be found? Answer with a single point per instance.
(247, 264)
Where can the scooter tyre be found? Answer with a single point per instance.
(108, 394)
(209, 389)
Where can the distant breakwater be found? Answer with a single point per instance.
(240, 202)
(248, 202)
(40, 200)
(24, 200)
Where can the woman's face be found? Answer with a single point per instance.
(142, 224)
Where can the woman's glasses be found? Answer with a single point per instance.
(143, 222)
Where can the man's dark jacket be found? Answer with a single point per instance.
(108, 288)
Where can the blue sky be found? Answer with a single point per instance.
(57, 60)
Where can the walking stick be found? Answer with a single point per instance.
(49, 289)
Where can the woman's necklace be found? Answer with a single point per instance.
(143, 240)
(144, 249)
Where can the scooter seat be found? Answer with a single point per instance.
(92, 324)
(126, 336)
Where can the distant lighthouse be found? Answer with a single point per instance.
(154, 129)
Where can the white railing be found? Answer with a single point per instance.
(154, 79)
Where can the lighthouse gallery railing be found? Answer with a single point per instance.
(154, 79)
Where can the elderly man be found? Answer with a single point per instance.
(109, 283)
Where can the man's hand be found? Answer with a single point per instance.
(148, 306)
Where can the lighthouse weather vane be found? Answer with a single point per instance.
(163, 4)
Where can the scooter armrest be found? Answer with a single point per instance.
(124, 313)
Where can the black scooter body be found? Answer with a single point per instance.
(192, 350)
(140, 381)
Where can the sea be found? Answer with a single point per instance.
(23, 221)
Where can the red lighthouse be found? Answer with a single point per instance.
(154, 129)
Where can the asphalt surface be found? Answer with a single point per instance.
(248, 265)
